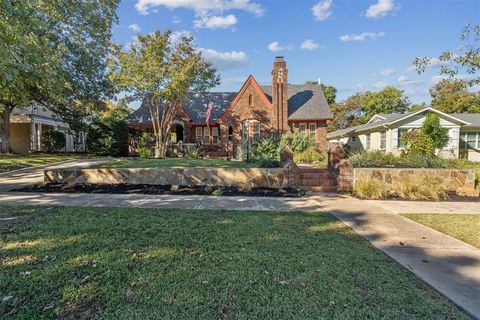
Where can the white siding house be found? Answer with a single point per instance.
(384, 132)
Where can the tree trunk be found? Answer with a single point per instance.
(5, 129)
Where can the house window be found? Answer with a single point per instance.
(302, 128)
(311, 129)
(230, 133)
(198, 134)
(206, 135)
(250, 100)
(367, 143)
(215, 135)
(245, 132)
(471, 139)
(383, 140)
(256, 130)
(354, 138)
(401, 133)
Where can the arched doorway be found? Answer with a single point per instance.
(179, 132)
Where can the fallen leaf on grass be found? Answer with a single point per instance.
(130, 295)
(25, 274)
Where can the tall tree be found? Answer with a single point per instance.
(361, 107)
(453, 96)
(53, 53)
(330, 92)
(161, 72)
(468, 61)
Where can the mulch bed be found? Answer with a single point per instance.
(158, 189)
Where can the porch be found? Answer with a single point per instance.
(26, 133)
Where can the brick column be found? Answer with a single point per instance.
(345, 175)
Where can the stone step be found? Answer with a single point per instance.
(318, 182)
(322, 189)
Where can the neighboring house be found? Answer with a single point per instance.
(384, 132)
(27, 125)
(243, 116)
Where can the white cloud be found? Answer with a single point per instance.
(309, 44)
(225, 60)
(215, 22)
(380, 84)
(361, 37)
(201, 7)
(387, 72)
(135, 27)
(322, 10)
(380, 9)
(275, 46)
(404, 80)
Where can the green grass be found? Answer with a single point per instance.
(464, 227)
(178, 264)
(13, 162)
(174, 162)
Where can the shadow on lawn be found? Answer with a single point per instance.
(218, 262)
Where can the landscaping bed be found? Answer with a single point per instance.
(174, 163)
(161, 189)
(131, 263)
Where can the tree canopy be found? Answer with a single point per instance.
(467, 62)
(361, 107)
(54, 53)
(161, 71)
(453, 96)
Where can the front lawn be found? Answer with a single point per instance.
(174, 162)
(176, 264)
(464, 227)
(13, 162)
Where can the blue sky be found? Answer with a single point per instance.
(352, 45)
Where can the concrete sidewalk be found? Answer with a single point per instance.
(450, 266)
(160, 201)
(443, 207)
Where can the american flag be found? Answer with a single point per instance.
(209, 113)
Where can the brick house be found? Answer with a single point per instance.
(243, 116)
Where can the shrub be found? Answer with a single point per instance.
(106, 137)
(269, 163)
(297, 142)
(373, 159)
(193, 152)
(309, 156)
(53, 140)
(145, 152)
(370, 188)
(420, 187)
(417, 142)
(266, 147)
(431, 127)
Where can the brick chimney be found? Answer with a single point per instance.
(280, 94)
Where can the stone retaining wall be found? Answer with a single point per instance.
(456, 180)
(243, 178)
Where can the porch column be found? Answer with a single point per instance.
(39, 136)
(33, 136)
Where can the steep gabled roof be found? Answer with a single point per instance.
(195, 105)
(305, 102)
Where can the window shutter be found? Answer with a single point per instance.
(394, 139)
